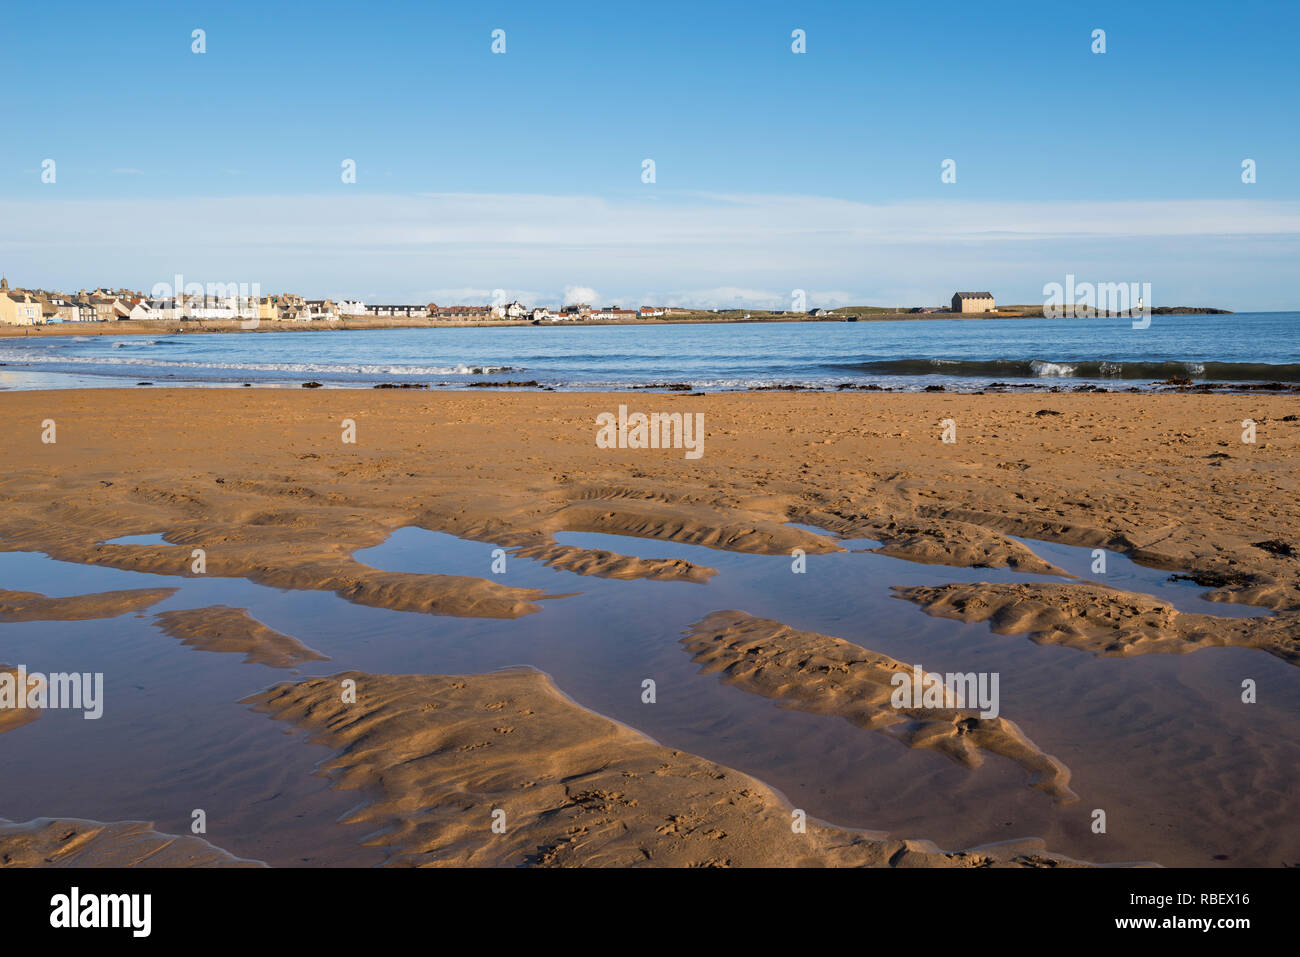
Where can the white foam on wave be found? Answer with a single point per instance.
(1051, 369)
(315, 368)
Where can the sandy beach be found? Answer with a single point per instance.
(264, 484)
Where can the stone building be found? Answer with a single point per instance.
(972, 302)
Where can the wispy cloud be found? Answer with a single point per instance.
(684, 248)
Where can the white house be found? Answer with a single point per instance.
(203, 307)
(410, 312)
(322, 309)
(511, 310)
(157, 309)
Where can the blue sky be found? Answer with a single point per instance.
(774, 171)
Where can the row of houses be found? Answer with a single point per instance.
(583, 312)
(24, 307)
(33, 307)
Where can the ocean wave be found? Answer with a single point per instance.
(1078, 369)
(314, 368)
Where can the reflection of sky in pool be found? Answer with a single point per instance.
(1133, 731)
(154, 539)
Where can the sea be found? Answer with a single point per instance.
(1236, 351)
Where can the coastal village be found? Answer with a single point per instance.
(35, 307)
(30, 307)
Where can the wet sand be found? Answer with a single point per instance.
(31, 606)
(1102, 620)
(502, 770)
(224, 629)
(825, 675)
(263, 484)
(50, 842)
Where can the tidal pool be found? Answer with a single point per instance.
(1186, 773)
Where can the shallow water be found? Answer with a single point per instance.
(153, 539)
(1119, 571)
(909, 355)
(1162, 743)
